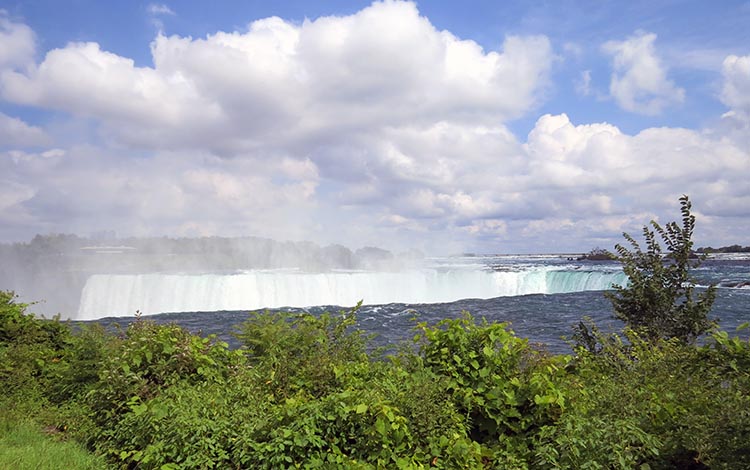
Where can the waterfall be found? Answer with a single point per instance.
(106, 295)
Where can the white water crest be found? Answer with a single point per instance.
(109, 295)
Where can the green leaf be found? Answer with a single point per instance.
(544, 399)
(380, 426)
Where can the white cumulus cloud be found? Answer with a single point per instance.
(15, 132)
(368, 129)
(17, 44)
(639, 80)
(281, 83)
(735, 93)
(736, 90)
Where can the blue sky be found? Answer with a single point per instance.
(444, 126)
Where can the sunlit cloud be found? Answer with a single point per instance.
(639, 78)
(375, 128)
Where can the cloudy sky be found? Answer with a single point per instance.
(494, 127)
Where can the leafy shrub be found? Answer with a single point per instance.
(410, 399)
(28, 346)
(660, 296)
(353, 428)
(720, 424)
(237, 425)
(79, 364)
(506, 389)
(338, 408)
(595, 443)
(197, 425)
(20, 328)
(341, 428)
(15, 324)
(675, 405)
(304, 393)
(151, 358)
(302, 351)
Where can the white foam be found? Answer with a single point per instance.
(106, 295)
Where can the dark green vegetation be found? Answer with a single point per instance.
(598, 254)
(306, 392)
(660, 299)
(725, 249)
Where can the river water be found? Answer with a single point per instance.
(541, 296)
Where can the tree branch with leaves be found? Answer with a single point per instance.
(660, 299)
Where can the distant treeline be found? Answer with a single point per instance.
(725, 249)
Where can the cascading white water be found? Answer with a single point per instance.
(106, 295)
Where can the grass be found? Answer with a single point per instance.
(23, 445)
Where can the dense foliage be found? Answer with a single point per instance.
(661, 299)
(307, 392)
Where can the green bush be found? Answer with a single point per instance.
(380, 416)
(660, 297)
(337, 407)
(29, 349)
(302, 351)
(79, 364)
(305, 393)
(198, 425)
(675, 406)
(148, 360)
(721, 422)
(507, 390)
(593, 442)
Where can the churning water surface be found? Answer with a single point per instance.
(541, 296)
